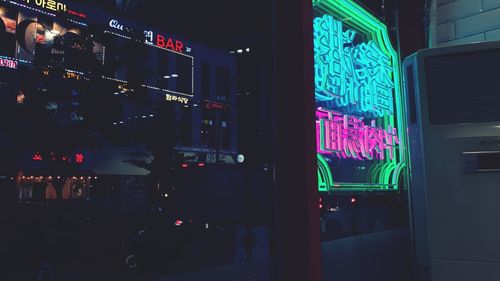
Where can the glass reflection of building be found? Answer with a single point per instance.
(70, 83)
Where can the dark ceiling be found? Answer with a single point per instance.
(217, 22)
(224, 24)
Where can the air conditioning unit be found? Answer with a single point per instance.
(454, 131)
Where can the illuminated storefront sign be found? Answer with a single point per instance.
(182, 100)
(78, 14)
(8, 63)
(164, 42)
(151, 38)
(78, 158)
(211, 105)
(184, 61)
(49, 4)
(360, 121)
(348, 136)
(115, 24)
(356, 75)
(73, 75)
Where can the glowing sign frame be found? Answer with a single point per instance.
(386, 173)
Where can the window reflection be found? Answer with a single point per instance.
(120, 136)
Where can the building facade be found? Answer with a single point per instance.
(78, 81)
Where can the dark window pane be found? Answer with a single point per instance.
(205, 80)
(223, 84)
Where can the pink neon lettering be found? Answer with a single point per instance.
(348, 136)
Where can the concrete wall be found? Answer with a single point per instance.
(456, 22)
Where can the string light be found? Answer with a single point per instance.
(74, 71)
(117, 34)
(148, 87)
(103, 54)
(114, 79)
(78, 22)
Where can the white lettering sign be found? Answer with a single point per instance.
(116, 24)
(149, 36)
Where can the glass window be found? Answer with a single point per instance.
(100, 112)
(223, 84)
(205, 80)
(208, 128)
(187, 118)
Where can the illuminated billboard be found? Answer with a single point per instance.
(360, 120)
(32, 35)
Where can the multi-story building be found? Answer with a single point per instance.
(78, 81)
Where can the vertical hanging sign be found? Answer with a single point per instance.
(360, 120)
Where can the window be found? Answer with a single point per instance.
(223, 84)
(205, 80)
(208, 128)
(187, 117)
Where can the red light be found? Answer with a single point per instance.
(201, 165)
(79, 157)
(178, 223)
(37, 157)
(185, 165)
(78, 14)
(353, 200)
(320, 206)
(214, 105)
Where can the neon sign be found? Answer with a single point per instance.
(210, 105)
(78, 158)
(360, 120)
(164, 42)
(182, 100)
(8, 63)
(349, 137)
(49, 4)
(160, 41)
(325, 178)
(52, 5)
(351, 75)
(78, 14)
